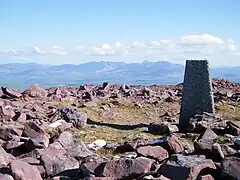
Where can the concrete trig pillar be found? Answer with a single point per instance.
(197, 94)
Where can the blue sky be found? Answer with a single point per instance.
(76, 31)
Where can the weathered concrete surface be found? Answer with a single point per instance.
(197, 91)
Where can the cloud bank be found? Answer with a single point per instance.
(217, 50)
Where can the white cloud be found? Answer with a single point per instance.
(10, 51)
(203, 39)
(57, 50)
(194, 46)
(37, 50)
(103, 50)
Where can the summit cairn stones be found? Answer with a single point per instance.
(197, 91)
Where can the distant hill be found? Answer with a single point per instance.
(22, 75)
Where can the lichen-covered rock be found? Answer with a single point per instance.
(77, 118)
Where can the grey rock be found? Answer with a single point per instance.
(180, 167)
(205, 142)
(75, 148)
(230, 167)
(56, 164)
(77, 118)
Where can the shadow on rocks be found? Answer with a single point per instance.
(117, 126)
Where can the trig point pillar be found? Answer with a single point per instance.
(197, 94)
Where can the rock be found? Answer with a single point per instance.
(162, 128)
(38, 136)
(127, 168)
(20, 117)
(237, 141)
(180, 167)
(131, 155)
(5, 177)
(201, 122)
(9, 133)
(4, 157)
(233, 128)
(112, 146)
(54, 149)
(36, 92)
(75, 148)
(94, 166)
(123, 168)
(227, 151)
(230, 167)
(58, 123)
(155, 152)
(77, 118)
(24, 171)
(12, 93)
(56, 164)
(217, 152)
(30, 160)
(205, 142)
(98, 144)
(87, 95)
(173, 145)
(6, 113)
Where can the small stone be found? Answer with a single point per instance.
(98, 144)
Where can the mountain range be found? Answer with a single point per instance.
(21, 75)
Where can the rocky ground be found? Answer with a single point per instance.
(117, 132)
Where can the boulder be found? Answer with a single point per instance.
(201, 122)
(12, 93)
(180, 167)
(55, 164)
(75, 148)
(230, 167)
(173, 145)
(36, 92)
(162, 128)
(122, 169)
(23, 171)
(155, 152)
(77, 118)
(36, 133)
(6, 113)
(205, 142)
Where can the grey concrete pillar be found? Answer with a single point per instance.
(197, 94)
